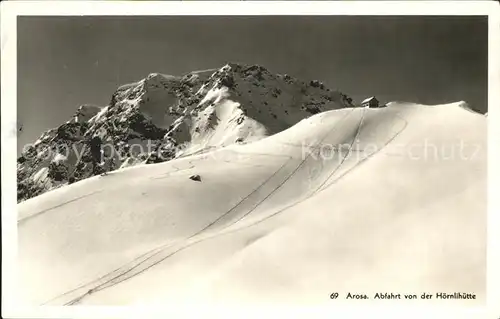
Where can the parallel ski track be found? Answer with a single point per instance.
(148, 255)
(113, 281)
(156, 251)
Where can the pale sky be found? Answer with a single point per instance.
(64, 62)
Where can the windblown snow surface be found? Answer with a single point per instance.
(271, 221)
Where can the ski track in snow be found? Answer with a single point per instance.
(126, 274)
(25, 219)
(158, 250)
(285, 179)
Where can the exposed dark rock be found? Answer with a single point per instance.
(195, 178)
(134, 118)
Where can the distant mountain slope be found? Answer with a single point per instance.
(163, 117)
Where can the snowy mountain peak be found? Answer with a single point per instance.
(163, 116)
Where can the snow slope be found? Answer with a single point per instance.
(386, 208)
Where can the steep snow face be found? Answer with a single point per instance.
(362, 200)
(162, 117)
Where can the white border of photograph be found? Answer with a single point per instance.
(11, 9)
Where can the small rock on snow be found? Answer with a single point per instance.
(195, 178)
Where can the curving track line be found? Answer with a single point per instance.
(146, 256)
(153, 252)
(112, 281)
(158, 250)
(319, 189)
(333, 172)
(54, 207)
(250, 225)
(120, 278)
